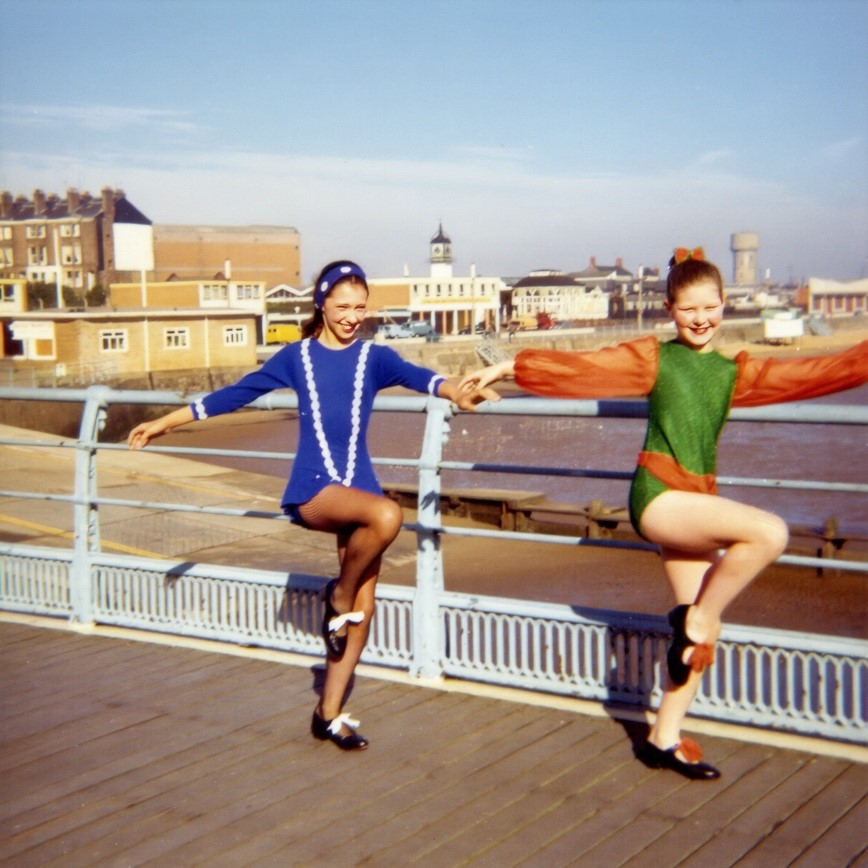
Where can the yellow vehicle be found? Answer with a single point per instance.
(523, 322)
(282, 333)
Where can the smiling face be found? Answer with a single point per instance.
(697, 312)
(343, 311)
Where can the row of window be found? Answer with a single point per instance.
(220, 292)
(39, 230)
(450, 290)
(38, 255)
(174, 338)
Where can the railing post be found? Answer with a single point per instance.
(425, 661)
(85, 512)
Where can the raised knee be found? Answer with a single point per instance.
(776, 535)
(389, 518)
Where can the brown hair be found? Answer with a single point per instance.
(691, 271)
(313, 327)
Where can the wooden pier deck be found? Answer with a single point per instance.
(120, 752)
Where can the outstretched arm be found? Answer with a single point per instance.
(773, 381)
(143, 433)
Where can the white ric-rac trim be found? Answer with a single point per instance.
(201, 412)
(435, 381)
(356, 414)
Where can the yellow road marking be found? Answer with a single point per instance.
(66, 534)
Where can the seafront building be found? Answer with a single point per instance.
(138, 324)
(177, 298)
(450, 303)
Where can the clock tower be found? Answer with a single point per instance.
(441, 254)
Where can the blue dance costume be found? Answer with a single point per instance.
(336, 390)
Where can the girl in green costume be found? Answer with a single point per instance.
(711, 547)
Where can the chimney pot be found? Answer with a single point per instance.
(73, 200)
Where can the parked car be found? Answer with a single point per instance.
(479, 329)
(422, 329)
(392, 330)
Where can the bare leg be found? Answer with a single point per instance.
(686, 577)
(691, 526)
(712, 549)
(366, 524)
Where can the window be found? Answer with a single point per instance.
(6, 233)
(36, 256)
(36, 231)
(177, 338)
(113, 340)
(215, 292)
(235, 336)
(70, 254)
(6, 258)
(247, 291)
(7, 293)
(70, 230)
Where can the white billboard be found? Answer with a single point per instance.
(134, 246)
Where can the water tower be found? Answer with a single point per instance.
(744, 246)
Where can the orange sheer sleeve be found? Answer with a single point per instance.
(624, 370)
(773, 381)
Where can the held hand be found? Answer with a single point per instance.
(486, 376)
(468, 400)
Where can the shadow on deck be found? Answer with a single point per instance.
(120, 752)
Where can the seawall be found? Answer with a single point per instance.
(452, 356)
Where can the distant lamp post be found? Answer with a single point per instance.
(641, 273)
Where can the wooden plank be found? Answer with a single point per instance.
(759, 803)
(143, 754)
(454, 790)
(514, 816)
(327, 793)
(844, 843)
(619, 827)
(813, 820)
(244, 779)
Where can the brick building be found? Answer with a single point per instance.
(270, 254)
(67, 241)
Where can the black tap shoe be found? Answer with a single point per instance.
(701, 658)
(655, 758)
(330, 730)
(333, 622)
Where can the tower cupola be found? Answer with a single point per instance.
(441, 254)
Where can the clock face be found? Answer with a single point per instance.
(436, 249)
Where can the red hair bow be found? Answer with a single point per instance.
(682, 254)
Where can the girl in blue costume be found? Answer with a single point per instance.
(711, 547)
(332, 486)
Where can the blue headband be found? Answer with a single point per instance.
(334, 275)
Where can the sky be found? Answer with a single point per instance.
(538, 134)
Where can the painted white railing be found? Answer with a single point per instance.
(791, 681)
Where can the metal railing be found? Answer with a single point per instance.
(813, 684)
